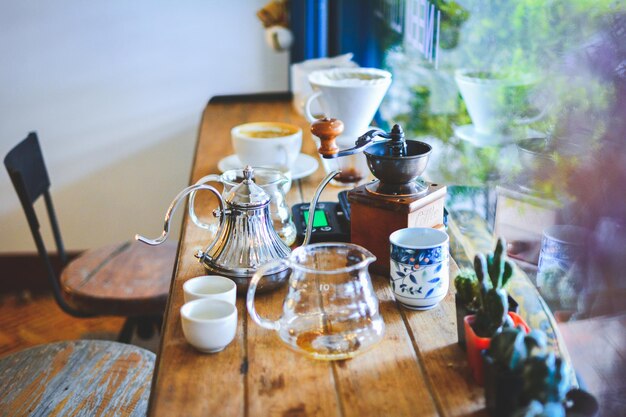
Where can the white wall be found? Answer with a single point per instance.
(115, 90)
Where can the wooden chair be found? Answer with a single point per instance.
(81, 377)
(128, 279)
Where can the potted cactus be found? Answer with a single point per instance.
(492, 314)
(504, 361)
(546, 379)
(546, 390)
(466, 300)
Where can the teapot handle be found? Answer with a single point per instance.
(168, 215)
(265, 268)
(192, 199)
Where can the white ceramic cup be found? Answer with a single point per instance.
(351, 95)
(210, 286)
(419, 266)
(267, 144)
(209, 325)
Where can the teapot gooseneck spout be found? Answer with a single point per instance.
(172, 208)
(316, 196)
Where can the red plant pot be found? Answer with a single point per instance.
(476, 344)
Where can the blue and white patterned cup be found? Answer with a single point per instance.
(560, 247)
(419, 266)
(557, 280)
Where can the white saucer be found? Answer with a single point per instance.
(467, 133)
(304, 166)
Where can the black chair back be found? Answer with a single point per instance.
(28, 173)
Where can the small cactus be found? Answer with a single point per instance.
(512, 346)
(498, 266)
(492, 314)
(536, 409)
(492, 273)
(546, 379)
(467, 291)
(545, 385)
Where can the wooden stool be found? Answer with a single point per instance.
(82, 377)
(130, 279)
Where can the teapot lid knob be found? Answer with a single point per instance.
(247, 194)
(248, 173)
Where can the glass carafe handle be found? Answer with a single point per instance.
(264, 269)
(192, 199)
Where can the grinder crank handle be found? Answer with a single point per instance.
(328, 129)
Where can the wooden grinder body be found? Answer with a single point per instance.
(374, 217)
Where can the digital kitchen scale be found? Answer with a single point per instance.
(330, 223)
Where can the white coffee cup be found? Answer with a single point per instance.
(267, 144)
(351, 95)
(210, 286)
(209, 325)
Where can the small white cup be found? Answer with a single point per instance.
(210, 286)
(209, 325)
(267, 144)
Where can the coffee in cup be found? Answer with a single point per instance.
(267, 144)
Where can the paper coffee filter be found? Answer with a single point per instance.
(357, 77)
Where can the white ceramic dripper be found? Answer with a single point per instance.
(353, 96)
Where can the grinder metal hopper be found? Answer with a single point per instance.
(396, 163)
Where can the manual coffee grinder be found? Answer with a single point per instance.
(398, 198)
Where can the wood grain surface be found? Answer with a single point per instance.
(126, 279)
(417, 370)
(78, 378)
(27, 321)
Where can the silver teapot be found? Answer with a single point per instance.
(245, 238)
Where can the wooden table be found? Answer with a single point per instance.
(418, 369)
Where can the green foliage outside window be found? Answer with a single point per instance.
(547, 38)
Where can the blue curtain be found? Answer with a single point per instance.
(331, 27)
